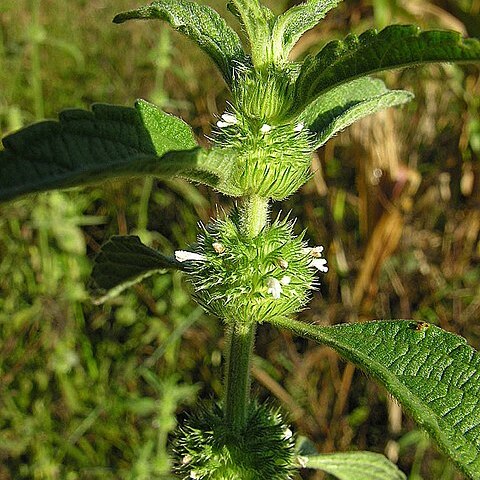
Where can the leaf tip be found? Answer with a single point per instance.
(119, 18)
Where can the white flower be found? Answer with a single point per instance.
(317, 261)
(185, 256)
(299, 127)
(315, 252)
(193, 474)
(320, 264)
(186, 459)
(218, 247)
(274, 287)
(287, 434)
(265, 128)
(229, 118)
(285, 280)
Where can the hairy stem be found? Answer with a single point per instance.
(241, 334)
(254, 215)
(239, 348)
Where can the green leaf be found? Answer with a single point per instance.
(124, 261)
(85, 147)
(257, 21)
(201, 24)
(434, 374)
(291, 25)
(215, 167)
(341, 106)
(393, 47)
(355, 466)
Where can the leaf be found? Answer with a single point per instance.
(201, 24)
(355, 466)
(124, 261)
(434, 374)
(257, 20)
(393, 47)
(85, 147)
(291, 25)
(341, 106)
(215, 167)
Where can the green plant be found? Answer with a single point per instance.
(245, 267)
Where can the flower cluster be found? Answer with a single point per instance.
(271, 160)
(238, 278)
(206, 447)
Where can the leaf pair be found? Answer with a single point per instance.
(396, 46)
(271, 38)
(331, 92)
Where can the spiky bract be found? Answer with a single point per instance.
(271, 161)
(236, 281)
(206, 448)
(268, 94)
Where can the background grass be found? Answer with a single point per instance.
(94, 392)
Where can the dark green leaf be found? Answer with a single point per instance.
(85, 147)
(215, 167)
(355, 466)
(290, 26)
(341, 106)
(434, 374)
(124, 261)
(200, 23)
(393, 47)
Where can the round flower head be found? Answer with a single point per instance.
(239, 278)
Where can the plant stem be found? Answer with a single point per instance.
(254, 215)
(241, 334)
(239, 348)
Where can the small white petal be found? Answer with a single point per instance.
(229, 118)
(285, 280)
(282, 263)
(185, 256)
(221, 124)
(316, 252)
(299, 127)
(186, 459)
(287, 434)
(218, 247)
(193, 475)
(265, 128)
(320, 264)
(274, 287)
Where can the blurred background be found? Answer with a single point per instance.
(91, 392)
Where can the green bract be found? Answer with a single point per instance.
(206, 448)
